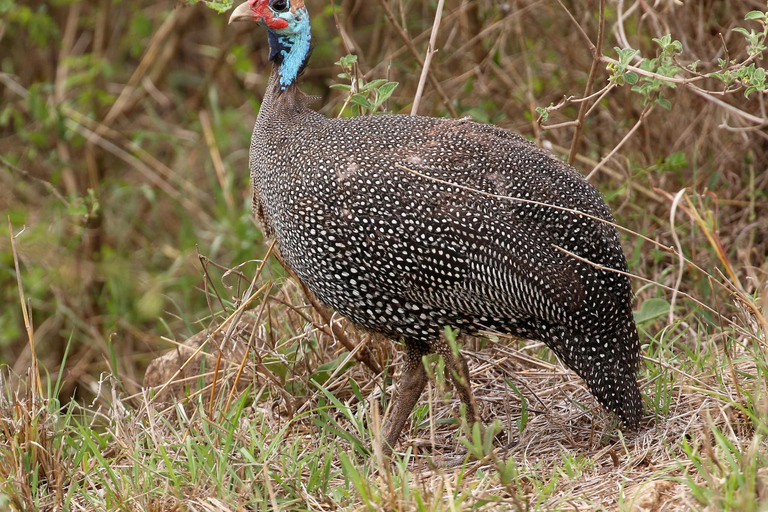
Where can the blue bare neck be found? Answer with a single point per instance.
(289, 50)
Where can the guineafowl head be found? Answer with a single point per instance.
(287, 24)
(282, 16)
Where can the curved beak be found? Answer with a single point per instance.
(242, 12)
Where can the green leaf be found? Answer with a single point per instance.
(356, 390)
(649, 64)
(631, 77)
(755, 15)
(646, 88)
(676, 159)
(544, 113)
(324, 371)
(651, 309)
(351, 473)
(359, 99)
(664, 103)
(384, 92)
(373, 84)
(523, 421)
(663, 41)
(77, 209)
(347, 61)
(758, 77)
(625, 55)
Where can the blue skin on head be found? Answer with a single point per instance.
(289, 46)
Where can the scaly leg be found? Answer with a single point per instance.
(456, 367)
(409, 388)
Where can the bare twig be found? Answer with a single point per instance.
(646, 111)
(216, 331)
(590, 44)
(600, 95)
(431, 50)
(155, 46)
(568, 100)
(759, 121)
(690, 84)
(408, 43)
(417, 39)
(596, 54)
(147, 165)
(62, 69)
(557, 126)
(47, 184)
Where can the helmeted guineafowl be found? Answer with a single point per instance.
(408, 224)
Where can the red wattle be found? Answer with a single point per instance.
(277, 23)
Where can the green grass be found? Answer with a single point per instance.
(704, 438)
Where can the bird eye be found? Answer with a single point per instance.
(279, 5)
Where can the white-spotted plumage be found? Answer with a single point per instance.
(408, 224)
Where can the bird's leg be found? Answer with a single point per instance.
(409, 388)
(456, 367)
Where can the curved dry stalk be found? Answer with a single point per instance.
(730, 289)
(759, 121)
(596, 55)
(27, 314)
(681, 262)
(537, 203)
(736, 327)
(431, 50)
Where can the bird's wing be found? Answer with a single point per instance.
(454, 219)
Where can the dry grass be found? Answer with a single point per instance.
(556, 449)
